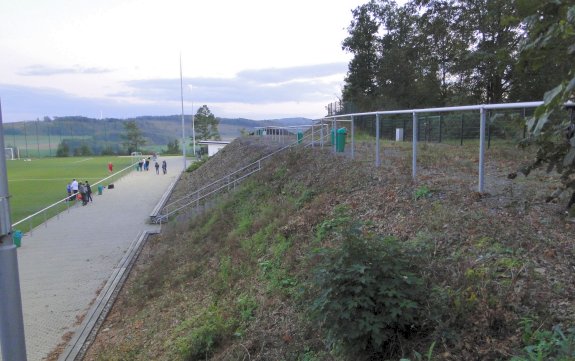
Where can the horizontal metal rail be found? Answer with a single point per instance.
(482, 108)
(220, 185)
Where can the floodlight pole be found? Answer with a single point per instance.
(193, 130)
(183, 124)
(12, 338)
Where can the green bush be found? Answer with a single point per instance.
(366, 294)
(195, 165)
(202, 335)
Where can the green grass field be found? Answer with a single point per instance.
(34, 185)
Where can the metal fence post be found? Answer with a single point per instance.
(481, 149)
(377, 136)
(352, 136)
(333, 134)
(461, 140)
(414, 147)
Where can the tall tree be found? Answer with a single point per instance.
(551, 25)
(206, 124)
(360, 85)
(431, 53)
(133, 137)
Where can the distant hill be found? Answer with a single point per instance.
(101, 133)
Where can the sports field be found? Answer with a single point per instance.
(35, 184)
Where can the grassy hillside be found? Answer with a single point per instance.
(318, 257)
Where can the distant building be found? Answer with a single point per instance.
(214, 146)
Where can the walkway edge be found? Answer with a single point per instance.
(101, 307)
(163, 201)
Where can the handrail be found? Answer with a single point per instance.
(164, 215)
(442, 109)
(66, 198)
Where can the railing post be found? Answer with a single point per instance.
(321, 134)
(333, 134)
(414, 147)
(481, 149)
(377, 136)
(312, 135)
(352, 137)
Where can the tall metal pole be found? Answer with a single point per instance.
(183, 124)
(12, 338)
(193, 130)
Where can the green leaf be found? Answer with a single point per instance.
(551, 95)
(541, 123)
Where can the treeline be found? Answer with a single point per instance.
(430, 53)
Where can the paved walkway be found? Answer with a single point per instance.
(64, 265)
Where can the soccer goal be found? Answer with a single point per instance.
(11, 153)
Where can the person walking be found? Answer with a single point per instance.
(110, 167)
(157, 166)
(164, 167)
(88, 192)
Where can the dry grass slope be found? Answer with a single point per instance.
(233, 283)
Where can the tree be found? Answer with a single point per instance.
(63, 149)
(133, 137)
(206, 124)
(173, 147)
(431, 53)
(551, 25)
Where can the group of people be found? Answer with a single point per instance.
(80, 191)
(144, 164)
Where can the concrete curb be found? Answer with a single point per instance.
(87, 331)
(158, 208)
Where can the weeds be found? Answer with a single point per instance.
(544, 345)
(422, 192)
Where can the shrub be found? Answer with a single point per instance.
(365, 294)
(195, 165)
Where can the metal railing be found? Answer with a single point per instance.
(379, 115)
(51, 211)
(224, 184)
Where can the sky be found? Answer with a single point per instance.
(256, 59)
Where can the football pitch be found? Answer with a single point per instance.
(36, 184)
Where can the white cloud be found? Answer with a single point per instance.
(260, 57)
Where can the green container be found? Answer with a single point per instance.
(341, 134)
(332, 137)
(17, 238)
(299, 137)
(100, 189)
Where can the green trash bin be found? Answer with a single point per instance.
(299, 137)
(332, 137)
(17, 238)
(341, 134)
(100, 189)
